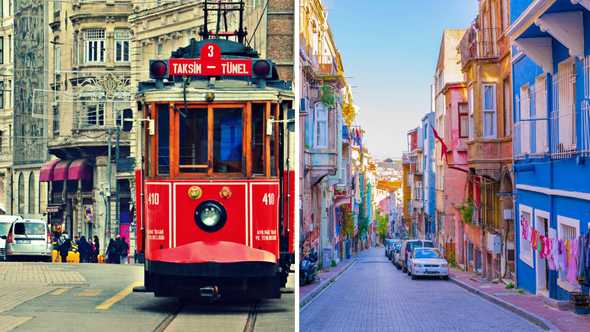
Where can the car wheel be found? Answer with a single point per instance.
(445, 278)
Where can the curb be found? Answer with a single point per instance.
(314, 293)
(531, 317)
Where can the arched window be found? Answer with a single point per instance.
(21, 194)
(32, 193)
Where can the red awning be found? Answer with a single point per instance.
(80, 170)
(46, 173)
(60, 172)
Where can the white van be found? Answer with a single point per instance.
(29, 238)
(5, 223)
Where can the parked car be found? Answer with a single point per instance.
(428, 262)
(396, 256)
(407, 248)
(5, 223)
(29, 238)
(388, 243)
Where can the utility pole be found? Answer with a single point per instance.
(108, 193)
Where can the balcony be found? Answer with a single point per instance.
(479, 45)
(320, 163)
(490, 154)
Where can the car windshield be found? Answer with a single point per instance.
(427, 244)
(4, 228)
(426, 253)
(29, 229)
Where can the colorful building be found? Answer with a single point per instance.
(485, 62)
(452, 125)
(551, 82)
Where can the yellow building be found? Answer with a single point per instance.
(485, 62)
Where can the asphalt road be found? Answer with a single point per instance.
(98, 297)
(372, 295)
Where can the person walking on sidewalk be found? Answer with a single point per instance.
(123, 249)
(96, 250)
(64, 246)
(112, 252)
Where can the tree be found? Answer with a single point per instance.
(348, 223)
(382, 225)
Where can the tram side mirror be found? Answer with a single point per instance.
(269, 126)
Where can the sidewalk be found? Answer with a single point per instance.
(531, 307)
(323, 280)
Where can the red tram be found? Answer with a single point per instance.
(216, 189)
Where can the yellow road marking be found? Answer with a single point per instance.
(60, 291)
(89, 292)
(119, 296)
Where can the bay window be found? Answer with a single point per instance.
(321, 126)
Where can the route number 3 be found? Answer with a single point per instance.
(153, 199)
(210, 50)
(268, 199)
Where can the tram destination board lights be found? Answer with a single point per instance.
(158, 71)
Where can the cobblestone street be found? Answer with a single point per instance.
(374, 296)
(92, 297)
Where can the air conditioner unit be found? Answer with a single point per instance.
(508, 214)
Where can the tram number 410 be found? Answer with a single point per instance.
(153, 199)
(268, 199)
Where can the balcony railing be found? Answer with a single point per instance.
(324, 64)
(479, 44)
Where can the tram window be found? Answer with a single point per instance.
(163, 139)
(273, 157)
(194, 141)
(227, 140)
(258, 139)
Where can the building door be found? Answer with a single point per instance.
(542, 270)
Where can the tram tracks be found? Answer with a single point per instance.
(215, 310)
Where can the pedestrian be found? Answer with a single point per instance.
(65, 244)
(113, 252)
(123, 249)
(96, 251)
(84, 249)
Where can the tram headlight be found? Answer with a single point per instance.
(158, 69)
(262, 69)
(210, 216)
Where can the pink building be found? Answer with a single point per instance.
(452, 124)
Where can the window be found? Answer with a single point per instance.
(94, 41)
(163, 139)
(507, 108)
(122, 45)
(56, 119)
(471, 110)
(57, 59)
(541, 115)
(1, 139)
(489, 110)
(321, 126)
(95, 114)
(258, 139)
(1, 50)
(21, 194)
(565, 107)
(31, 206)
(567, 229)
(524, 123)
(463, 120)
(1, 94)
(525, 226)
(227, 140)
(194, 141)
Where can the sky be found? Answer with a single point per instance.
(389, 50)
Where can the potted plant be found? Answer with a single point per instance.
(466, 209)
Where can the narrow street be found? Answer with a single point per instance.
(96, 297)
(372, 295)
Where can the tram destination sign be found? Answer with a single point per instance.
(210, 64)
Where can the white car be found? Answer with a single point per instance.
(428, 262)
(29, 238)
(5, 223)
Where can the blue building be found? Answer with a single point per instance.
(429, 181)
(551, 142)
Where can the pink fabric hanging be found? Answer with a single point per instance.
(572, 262)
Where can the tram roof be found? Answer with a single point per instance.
(224, 90)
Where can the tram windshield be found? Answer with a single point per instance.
(227, 140)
